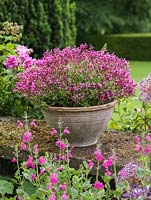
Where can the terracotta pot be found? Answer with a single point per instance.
(85, 123)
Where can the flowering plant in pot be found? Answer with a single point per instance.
(75, 81)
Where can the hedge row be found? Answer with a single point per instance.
(47, 23)
(130, 46)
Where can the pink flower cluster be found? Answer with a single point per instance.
(78, 76)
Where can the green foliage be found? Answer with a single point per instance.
(130, 46)
(6, 187)
(47, 24)
(129, 117)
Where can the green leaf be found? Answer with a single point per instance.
(6, 187)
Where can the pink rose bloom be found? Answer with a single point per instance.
(54, 178)
(11, 62)
(27, 137)
(107, 163)
(98, 185)
(42, 160)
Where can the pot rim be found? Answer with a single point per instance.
(82, 109)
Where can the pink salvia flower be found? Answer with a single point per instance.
(13, 160)
(137, 139)
(19, 123)
(23, 146)
(90, 164)
(98, 155)
(53, 131)
(98, 185)
(147, 150)
(33, 177)
(63, 186)
(42, 171)
(27, 137)
(107, 163)
(54, 179)
(66, 131)
(33, 123)
(65, 196)
(29, 162)
(148, 137)
(42, 160)
(52, 197)
(138, 147)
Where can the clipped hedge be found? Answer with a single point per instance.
(132, 46)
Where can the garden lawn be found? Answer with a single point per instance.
(140, 69)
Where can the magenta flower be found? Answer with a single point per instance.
(53, 131)
(23, 146)
(66, 131)
(137, 139)
(90, 164)
(98, 155)
(27, 137)
(65, 196)
(98, 185)
(33, 177)
(147, 150)
(52, 197)
(42, 171)
(138, 147)
(63, 186)
(148, 137)
(107, 163)
(33, 123)
(19, 123)
(13, 160)
(77, 76)
(54, 179)
(42, 160)
(11, 62)
(29, 162)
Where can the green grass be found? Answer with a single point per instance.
(140, 69)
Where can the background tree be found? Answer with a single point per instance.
(112, 16)
(47, 23)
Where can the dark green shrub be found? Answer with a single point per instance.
(47, 24)
(129, 46)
